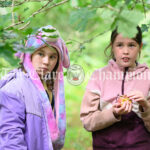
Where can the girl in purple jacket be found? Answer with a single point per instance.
(117, 125)
(32, 102)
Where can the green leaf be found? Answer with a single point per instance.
(127, 2)
(28, 31)
(15, 9)
(98, 3)
(82, 47)
(49, 30)
(5, 3)
(70, 42)
(82, 25)
(113, 2)
(128, 21)
(81, 18)
(5, 19)
(6, 52)
(51, 36)
(65, 73)
(144, 28)
(25, 9)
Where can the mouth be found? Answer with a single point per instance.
(125, 59)
(43, 69)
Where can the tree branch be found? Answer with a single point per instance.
(35, 13)
(12, 9)
(107, 6)
(20, 3)
(23, 27)
(91, 39)
(80, 44)
(42, 9)
(56, 4)
(144, 7)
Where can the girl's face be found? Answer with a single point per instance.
(125, 51)
(44, 60)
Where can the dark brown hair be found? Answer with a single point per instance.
(137, 38)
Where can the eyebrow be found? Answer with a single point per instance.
(53, 53)
(129, 42)
(40, 50)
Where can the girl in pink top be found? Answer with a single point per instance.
(115, 125)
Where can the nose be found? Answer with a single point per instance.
(125, 50)
(46, 60)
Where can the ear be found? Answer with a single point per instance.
(141, 45)
(140, 49)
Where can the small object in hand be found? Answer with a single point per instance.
(124, 98)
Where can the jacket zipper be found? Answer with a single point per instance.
(124, 75)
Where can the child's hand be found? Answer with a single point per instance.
(119, 110)
(138, 96)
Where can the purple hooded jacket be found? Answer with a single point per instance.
(22, 126)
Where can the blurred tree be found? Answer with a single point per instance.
(92, 18)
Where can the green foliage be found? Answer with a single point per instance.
(145, 27)
(98, 3)
(5, 3)
(82, 17)
(49, 30)
(124, 17)
(128, 21)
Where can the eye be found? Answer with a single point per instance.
(40, 54)
(132, 45)
(119, 45)
(53, 57)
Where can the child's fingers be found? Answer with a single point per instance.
(121, 109)
(127, 107)
(130, 107)
(117, 105)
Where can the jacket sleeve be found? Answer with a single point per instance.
(12, 123)
(91, 116)
(146, 117)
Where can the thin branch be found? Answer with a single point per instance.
(12, 9)
(87, 41)
(40, 10)
(18, 23)
(35, 13)
(144, 7)
(106, 6)
(20, 3)
(56, 4)
(23, 27)
(91, 39)
(112, 8)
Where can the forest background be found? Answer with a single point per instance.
(85, 26)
